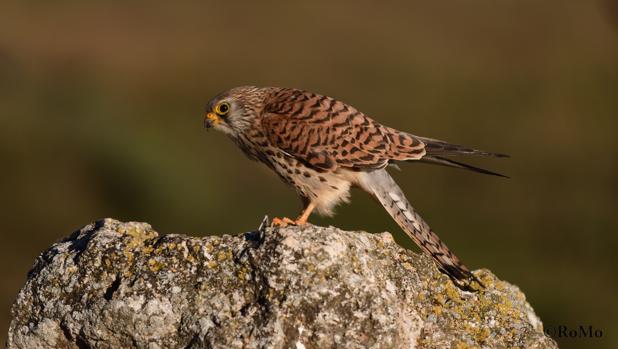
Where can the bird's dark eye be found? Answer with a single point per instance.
(222, 108)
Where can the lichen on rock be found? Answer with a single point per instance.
(123, 285)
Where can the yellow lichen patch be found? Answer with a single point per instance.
(224, 255)
(499, 286)
(520, 296)
(270, 295)
(421, 296)
(311, 268)
(71, 269)
(482, 335)
(191, 259)
(154, 265)
(137, 232)
(437, 310)
(475, 317)
(486, 278)
(461, 311)
(408, 266)
(128, 250)
(505, 308)
(485, 304)
(439, 298)
(462, 345)
(356, 266)
(138, 236)
(243, 274)
(211, 264)
(452, 293)
(380, 243)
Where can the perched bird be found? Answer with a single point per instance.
(322, 147)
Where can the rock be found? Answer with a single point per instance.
(122, 285)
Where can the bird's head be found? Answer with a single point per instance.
(233, 111)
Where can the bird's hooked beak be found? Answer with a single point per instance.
(211, 119)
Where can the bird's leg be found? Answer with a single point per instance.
(301, 220)
(304, 216)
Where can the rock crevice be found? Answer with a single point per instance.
(123, 285)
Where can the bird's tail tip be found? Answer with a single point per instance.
(463, 278)
(439, 160)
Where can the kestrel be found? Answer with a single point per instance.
(323, 147)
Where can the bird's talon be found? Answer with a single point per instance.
(282, 222)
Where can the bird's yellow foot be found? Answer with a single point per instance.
(282, 222)
(300, 221)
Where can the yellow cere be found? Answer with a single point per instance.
(213, 117)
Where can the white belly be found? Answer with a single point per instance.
(324, 189)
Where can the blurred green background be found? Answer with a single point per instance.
(101, 108)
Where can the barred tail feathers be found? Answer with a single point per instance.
(383, 187)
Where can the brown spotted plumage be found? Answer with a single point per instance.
(322, 147)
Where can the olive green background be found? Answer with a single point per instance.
(101, 109)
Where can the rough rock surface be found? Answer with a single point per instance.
(122, 285)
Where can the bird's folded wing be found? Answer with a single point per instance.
(327, 134)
